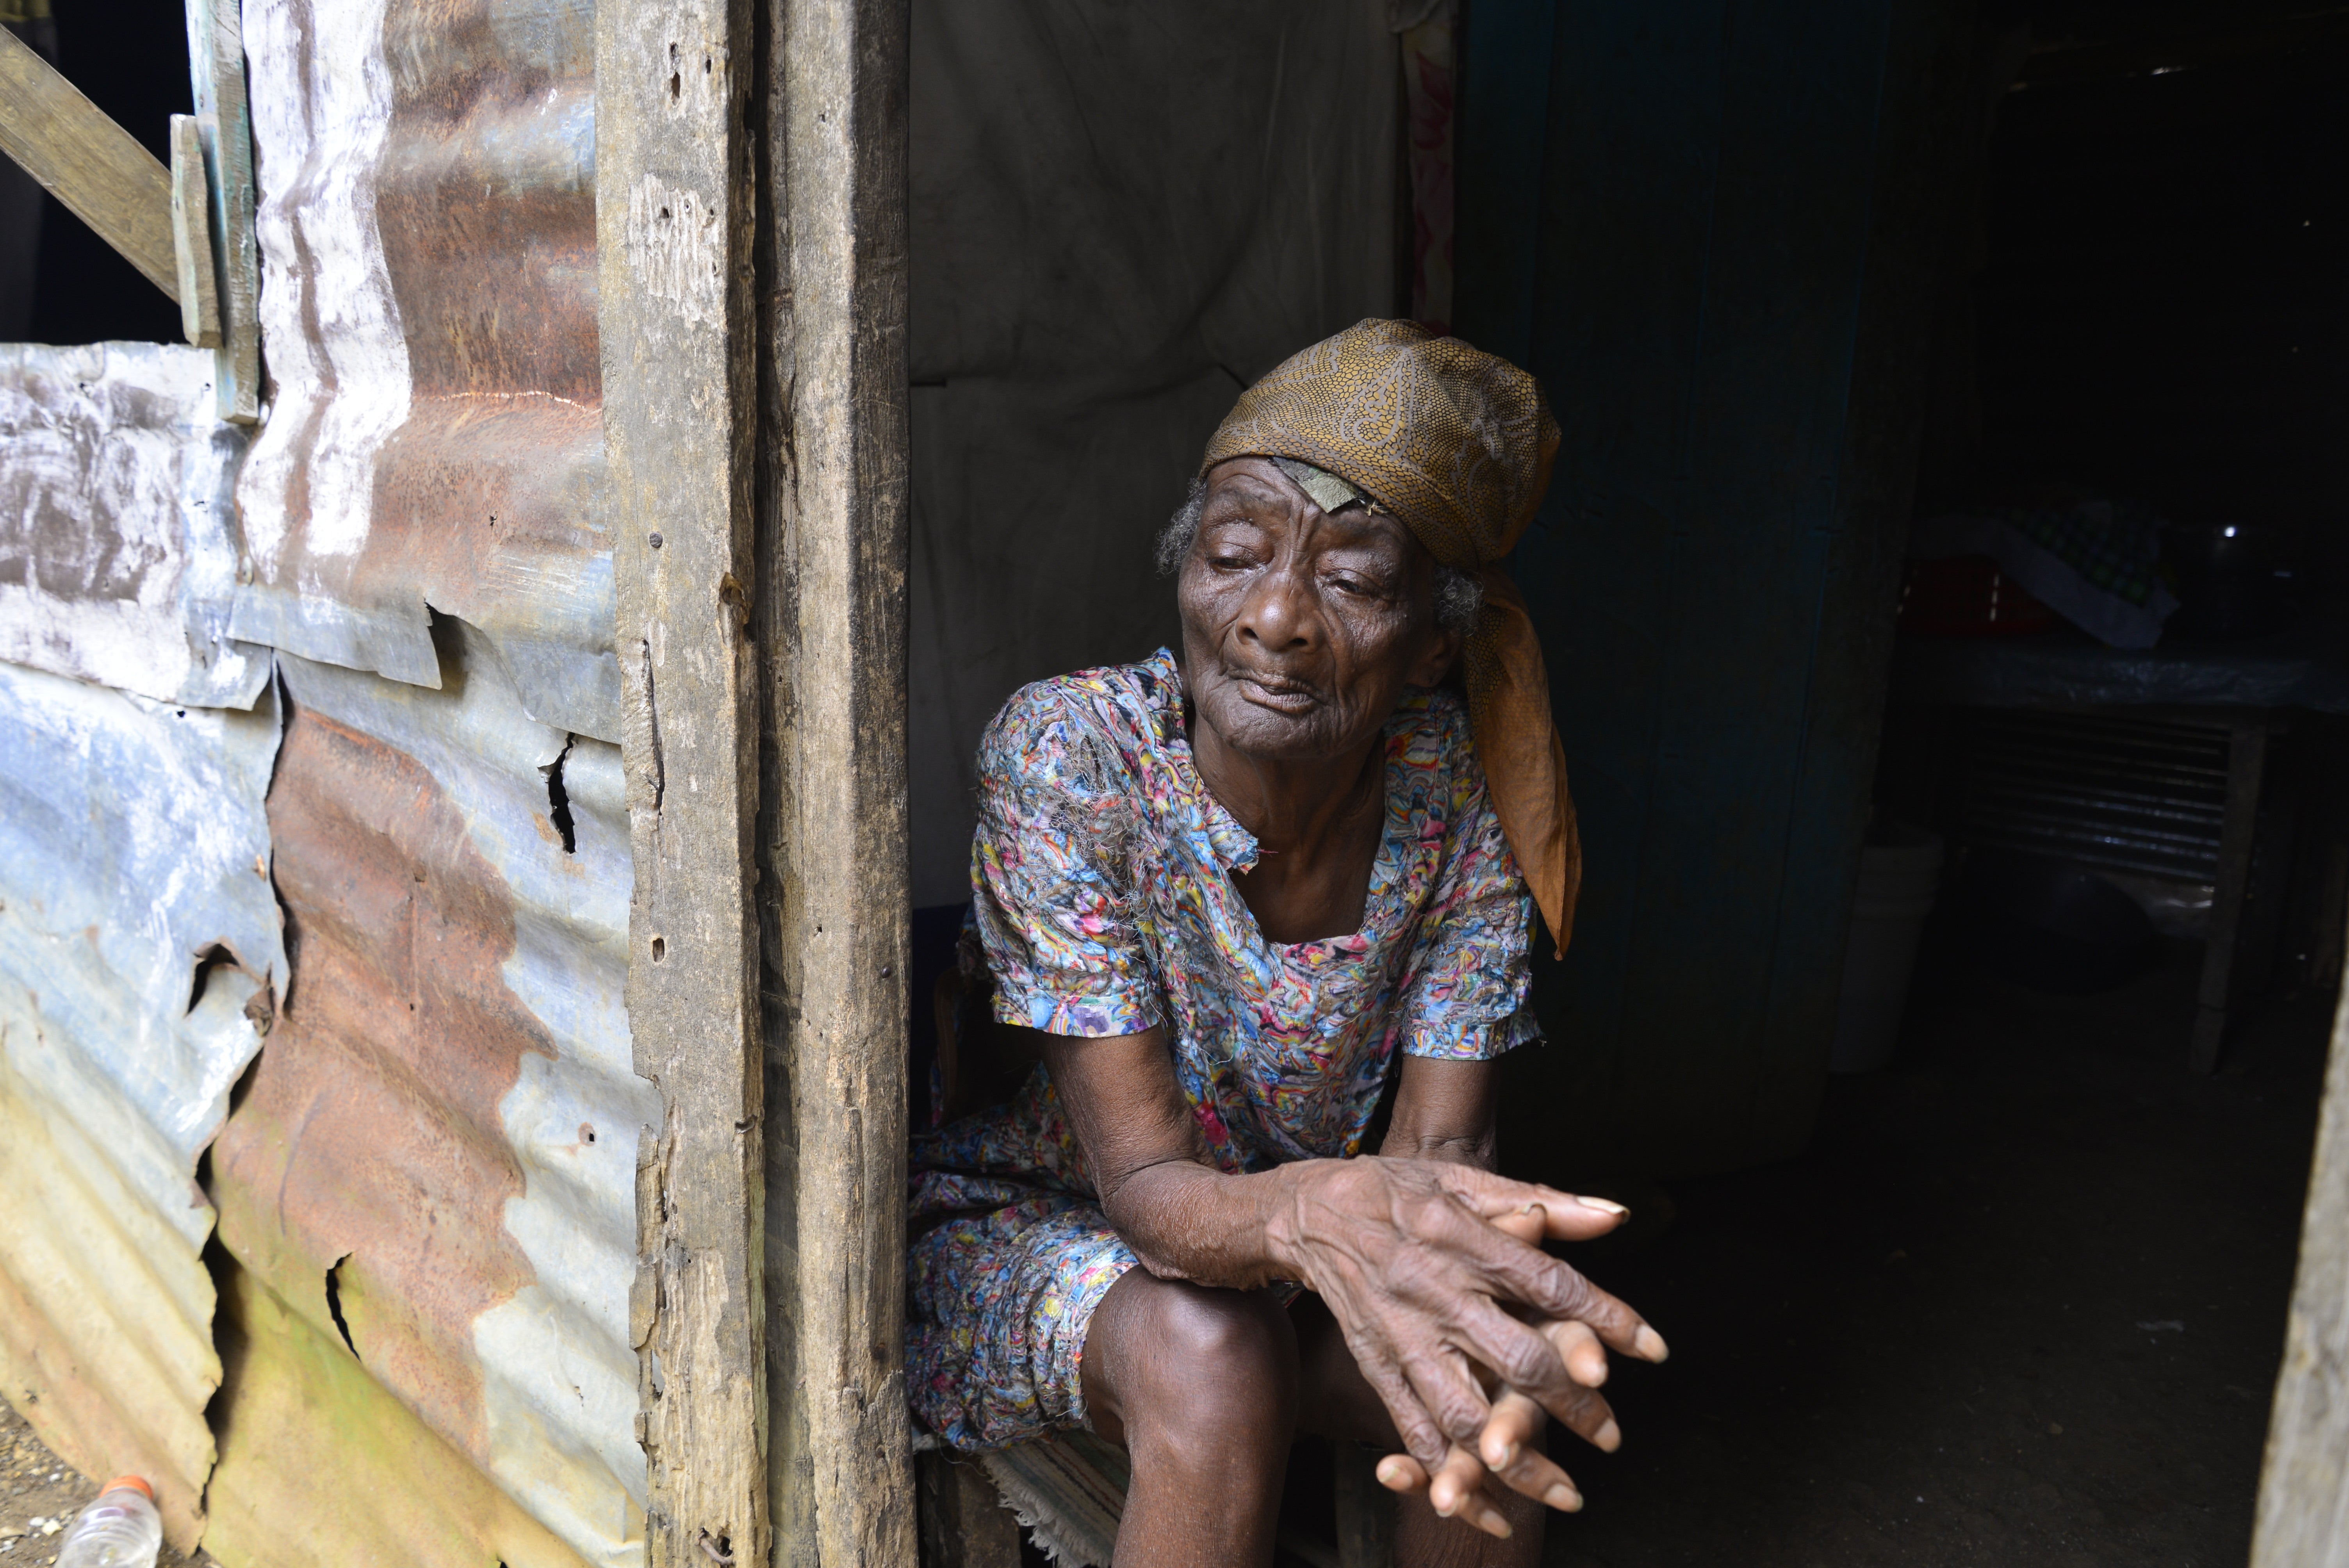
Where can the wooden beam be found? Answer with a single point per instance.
(2304, 1509)
(191, 235)
(95, 167)
(833, 533)
(224, 125)
(673, 217)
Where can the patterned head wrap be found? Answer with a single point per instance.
(1456, 444)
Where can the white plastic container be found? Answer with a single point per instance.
(1899, 873)
(120, 1530)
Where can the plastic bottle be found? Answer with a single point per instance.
(120, 1530)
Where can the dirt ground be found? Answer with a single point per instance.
(38, 1489)
(2021, 1303)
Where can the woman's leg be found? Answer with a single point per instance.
(1335, 1401)
(1200, 1385)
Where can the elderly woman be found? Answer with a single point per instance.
(1225, 897)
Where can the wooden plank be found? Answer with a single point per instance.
(2304, 1509)
(672, 205)
(191, 235)
(834, 538)
(216, 72)
(87, 161)
(2247, 751)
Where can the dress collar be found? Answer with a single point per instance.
(1232, 848)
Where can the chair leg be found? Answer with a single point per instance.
(1366, 1510)
(2246, 761)
(963, 1523)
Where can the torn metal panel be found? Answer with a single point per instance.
(321, 1468)
(438, 1153)
(132, 848)
(118, 552)
(428, 238)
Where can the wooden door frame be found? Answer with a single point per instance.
(2303, 1519)
(751, 213)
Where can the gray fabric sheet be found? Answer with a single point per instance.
(1121, 215)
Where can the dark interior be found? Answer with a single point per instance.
(2022, 1301)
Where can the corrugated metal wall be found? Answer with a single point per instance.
(131, 847)
(321, 800)
(435, 441)
(117, 552)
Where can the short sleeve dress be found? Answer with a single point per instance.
(1102, 878)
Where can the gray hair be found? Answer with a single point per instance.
(1458, 596)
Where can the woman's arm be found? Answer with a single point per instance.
(1404, 1251)
(1444, 1110)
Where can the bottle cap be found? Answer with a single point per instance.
(136, 1483)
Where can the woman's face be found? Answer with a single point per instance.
(1301, 627)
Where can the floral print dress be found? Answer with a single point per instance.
(1104, 899)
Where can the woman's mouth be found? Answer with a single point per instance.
(1281, 696)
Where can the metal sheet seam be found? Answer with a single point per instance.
(537, 1378)
(338, 361)
(428, 173)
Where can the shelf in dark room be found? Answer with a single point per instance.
(2306, 666)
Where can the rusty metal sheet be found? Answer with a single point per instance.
(428, 240)
(136, 930)
(321, 1468)
(437, 1155)
(116, 556)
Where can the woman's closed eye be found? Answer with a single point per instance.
(1237, 545)
(1367, 583)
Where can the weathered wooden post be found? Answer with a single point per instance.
(673, 220)
(833, 529)
(751, 178)
(2304, 1510)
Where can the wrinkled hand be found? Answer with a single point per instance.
(1424, 1264)
(1460, 1486)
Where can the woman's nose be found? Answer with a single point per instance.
(1279, 614)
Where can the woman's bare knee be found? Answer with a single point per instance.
(1199, 1369)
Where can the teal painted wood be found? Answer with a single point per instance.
(1705, 256)
(1503, 113)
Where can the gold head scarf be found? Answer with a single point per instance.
(1456, 444)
